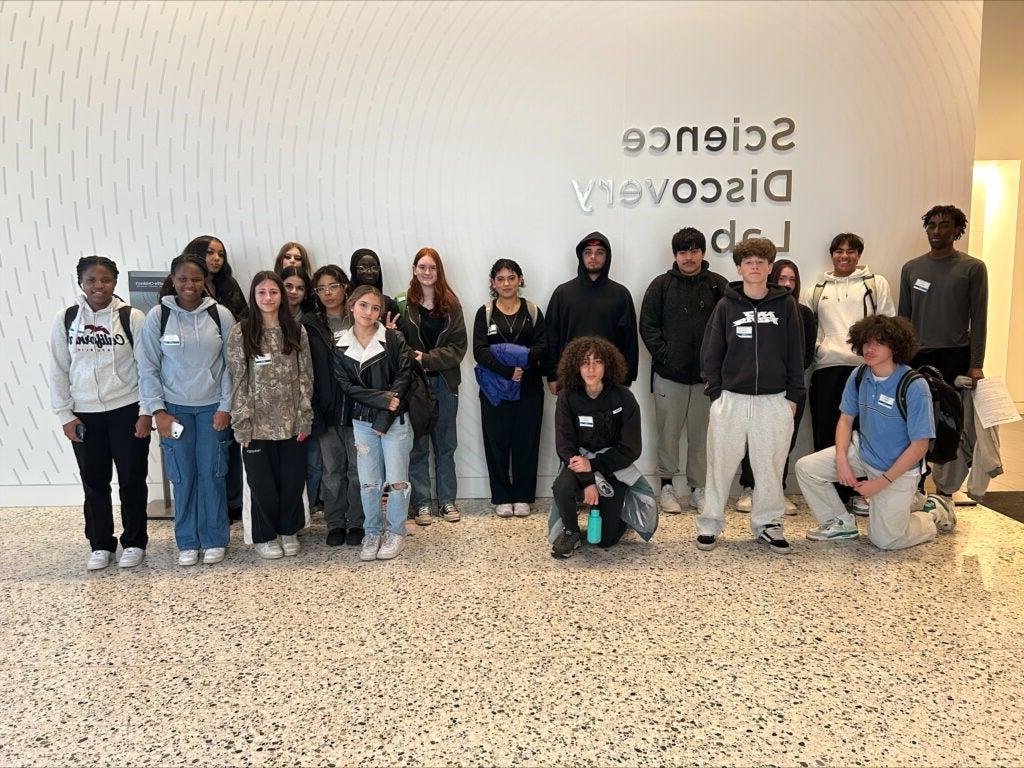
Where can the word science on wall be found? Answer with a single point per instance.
(749, 186)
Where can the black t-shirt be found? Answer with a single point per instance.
(430, 329)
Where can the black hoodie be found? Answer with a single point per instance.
(389, 303)
(585, 307)
(754, 350)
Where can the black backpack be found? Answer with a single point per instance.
(422, 402)
(947, 409)
(124, 312)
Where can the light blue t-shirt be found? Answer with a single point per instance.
(884, 435)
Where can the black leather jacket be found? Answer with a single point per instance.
(370, 384)
(329, 408)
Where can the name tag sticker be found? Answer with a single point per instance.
(887, 401)
(618, 410)
(744, 331)
(261, 359)
(492, 329)
(170, 340)
(922, 285)
(587, 421)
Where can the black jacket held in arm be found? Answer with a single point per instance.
(370, 383)
(585, 307)
(611, 420)
(754, 350)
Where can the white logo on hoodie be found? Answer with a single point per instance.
(767, 316)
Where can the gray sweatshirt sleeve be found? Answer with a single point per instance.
(227, 321)
(60, 372)
(978, 287)
(138, 321)
(151, 389)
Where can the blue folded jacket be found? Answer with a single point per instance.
(495, 386)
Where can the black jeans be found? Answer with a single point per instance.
(567, 490)
(747, 474)
(951, 361)
(511, 433)
(824, 397)
(276, 470)
(110, 437)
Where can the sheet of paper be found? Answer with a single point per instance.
(992, 402)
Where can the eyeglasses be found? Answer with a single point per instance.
(426, 268)
(503, 279)
(322, 289)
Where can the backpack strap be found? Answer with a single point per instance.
(819, 288)
(165, 315)
(906, 380)
(531, 310)
(69, 317)
(125, 313)
(870, 287)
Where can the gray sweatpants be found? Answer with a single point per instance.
(339, 486)
(764, 423)
(891, 524)
(676, 406)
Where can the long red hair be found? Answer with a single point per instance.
(445, 299)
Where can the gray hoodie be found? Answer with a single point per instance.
(93, 368)
(188, 364)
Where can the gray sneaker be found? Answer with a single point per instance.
(941, 510)
(393, 544)
(371, 543)
(566, 544)
(833, 529)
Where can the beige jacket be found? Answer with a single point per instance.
(271, 394)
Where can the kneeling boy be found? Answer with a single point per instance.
(887, 447)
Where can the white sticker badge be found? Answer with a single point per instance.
(887, 401)
(170, 340)
(587, 421)
(744, 332)
(492, 329)
(261, 359)
(922, 285)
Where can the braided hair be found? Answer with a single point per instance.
(95, 261)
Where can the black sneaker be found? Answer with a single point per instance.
(566, 543)
(354, 537)
(336, 537)
(706, 542)
(773, 537)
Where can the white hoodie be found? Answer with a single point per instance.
(93, 367)
(843, 302)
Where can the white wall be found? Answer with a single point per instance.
(127, 129)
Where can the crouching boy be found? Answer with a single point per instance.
(888, 446)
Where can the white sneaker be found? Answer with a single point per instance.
(392, 545)
(131, 557)
(188, 557)
(521, 509)
(788, 507)
(919, 500)
(745, 502)
(371, 543)
(503, 510)
(213, 555)
(290, 545)
(834, 529)
(269, 550)
(697, 499)
(859, 506)
(668, 501)
(941, 510)
(98, 560)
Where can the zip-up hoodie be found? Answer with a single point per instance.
(673, 317)
(754, 351)
(93, 367)
(585, 307)
(842, 303)
(192, 371)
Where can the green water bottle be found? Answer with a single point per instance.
(594, 526)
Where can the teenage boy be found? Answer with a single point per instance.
(673, 318)
(752, 361)
(888, 446)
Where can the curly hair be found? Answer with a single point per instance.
(760, 247)
(576, 353)
(896, 333)
(957, 216)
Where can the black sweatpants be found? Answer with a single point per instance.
(823, 399)
(110, 441)
(276, 471)
(511, 432)
(747, 473)
(567, 491)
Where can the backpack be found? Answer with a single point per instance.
(165, 315)
(869, 295)
(124, 312)
(947, 410)
(422, 401)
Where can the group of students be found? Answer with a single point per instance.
(308, 385)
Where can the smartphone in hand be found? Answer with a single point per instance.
(177, 428)
(80, 432)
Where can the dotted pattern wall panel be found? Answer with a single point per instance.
(127, 128)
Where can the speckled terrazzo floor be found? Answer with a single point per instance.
(475, 647)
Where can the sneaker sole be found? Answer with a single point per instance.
(271, 556)
(129, 565)
(389, 557)
(367, 558)
(291, 554)
(838, 537)
(97, 567)
(566, 555)
(706, 547)
(777, 550)
(207, 561)
(453, 519)
(669, 511)
(423, 520)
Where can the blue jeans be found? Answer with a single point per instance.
(197, 464)
(383, 459)
(445, 439)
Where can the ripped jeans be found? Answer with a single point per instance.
(383, 459)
